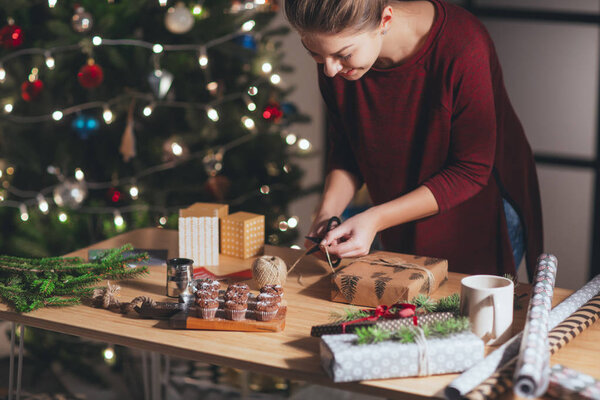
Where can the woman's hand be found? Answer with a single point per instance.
(318, 228)
(353, 238)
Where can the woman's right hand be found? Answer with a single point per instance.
(318, 229)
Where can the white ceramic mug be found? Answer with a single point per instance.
(488, 301)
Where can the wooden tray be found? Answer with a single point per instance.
(189, 320)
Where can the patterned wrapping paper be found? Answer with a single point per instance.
(568, 384)
(388, 324)
(471, 378)
(346, 361)
(501, 381)
(533, 364)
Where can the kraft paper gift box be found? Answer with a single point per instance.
(243, 235)
(346, 361)
(387, 278)
(199, 232)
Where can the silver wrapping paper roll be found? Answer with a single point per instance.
(533, 364)
(471, 378)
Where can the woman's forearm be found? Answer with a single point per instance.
(419, 203)
(340, 187)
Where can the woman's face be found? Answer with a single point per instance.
(350, 55)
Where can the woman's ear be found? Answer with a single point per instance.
(386, 19)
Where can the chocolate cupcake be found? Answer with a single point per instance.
(267, 308)
(238, 293)
(208, 284)
(207, 303)
(207, 308)
(274, 290)
(235, 310)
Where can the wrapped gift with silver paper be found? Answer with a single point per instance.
(346, 361)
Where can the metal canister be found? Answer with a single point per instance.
(180, 272)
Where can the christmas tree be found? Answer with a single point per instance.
(117, 113)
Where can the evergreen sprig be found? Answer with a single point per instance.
(374, 334)
(348, 314)
(31, 283)
(445, 304)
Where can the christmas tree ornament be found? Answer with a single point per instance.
(247, 41)
(113, 194)
(127, 148)
(289, 109)
(160, 81)
(179, 19)
(30, 90)
(90, 75)
(11, 36)
(70, 193)
(82, 20)
(218, 186)
(213, 163)
(85, 125)
(273, 112)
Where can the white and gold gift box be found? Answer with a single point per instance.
(199, 232)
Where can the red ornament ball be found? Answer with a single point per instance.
(114, 195)
(31, 90)
(11, 36)
(90, 76)
(273, 112)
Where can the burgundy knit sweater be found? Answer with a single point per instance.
(441, 119)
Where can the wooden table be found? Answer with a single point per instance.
(291, 354)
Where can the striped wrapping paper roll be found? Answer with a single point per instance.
(562, 334)
(483, 370)
(533, 363)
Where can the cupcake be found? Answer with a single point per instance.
(207, 303)
(267, 308)
(276, 290)
(207, 307)
(235, 310)
(208, 284)
(237, 292)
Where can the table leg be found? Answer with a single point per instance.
(11, 370)
(145, 377)
(156, 378)
(20, 362)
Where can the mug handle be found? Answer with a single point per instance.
(496, 318)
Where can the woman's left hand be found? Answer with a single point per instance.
(353, 238)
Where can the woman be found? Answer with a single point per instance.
(418, 111)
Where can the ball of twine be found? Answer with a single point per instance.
(269, 270)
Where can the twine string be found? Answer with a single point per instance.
(423, 350)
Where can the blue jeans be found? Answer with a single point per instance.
(515, 232)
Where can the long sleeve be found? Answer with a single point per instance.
(473, 129)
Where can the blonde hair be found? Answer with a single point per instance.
(334, 16)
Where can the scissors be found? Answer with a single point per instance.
(331, 224)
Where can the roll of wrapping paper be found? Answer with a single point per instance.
(533, 363)
(501, 381)
(566, 384)
(475, 375)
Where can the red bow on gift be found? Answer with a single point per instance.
(395, 311)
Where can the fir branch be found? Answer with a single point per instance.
(32, 283)
(406, 334)
(348, 314)
(449, 304)
(424, 303)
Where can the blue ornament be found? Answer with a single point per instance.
(85, 125)
(246, 41)
(289, 109)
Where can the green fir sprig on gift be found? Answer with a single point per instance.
(348, 314)
(31, 283)
(445, 304)
(406, 334)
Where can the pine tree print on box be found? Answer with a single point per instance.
(243, 235)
